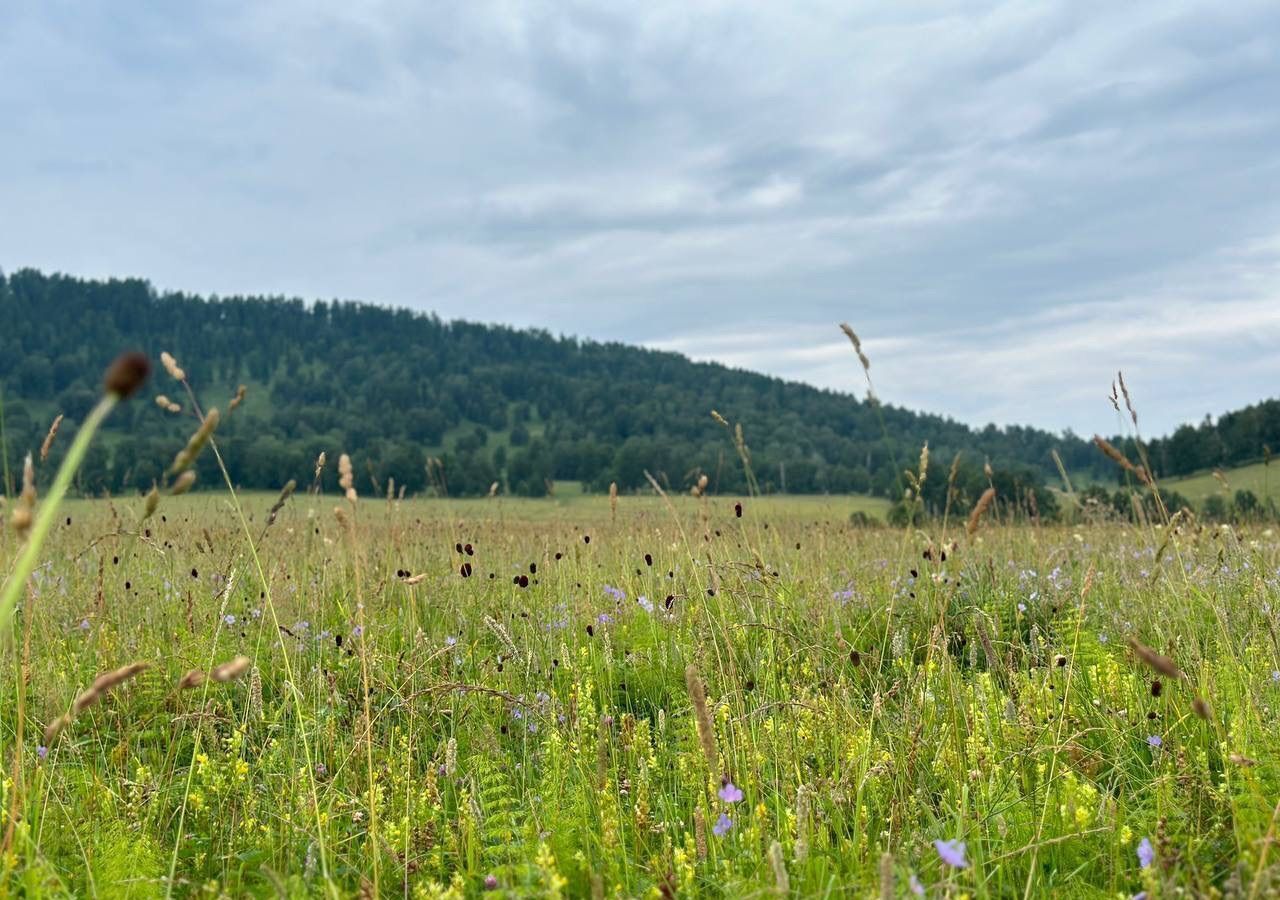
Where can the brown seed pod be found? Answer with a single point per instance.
(126, 374)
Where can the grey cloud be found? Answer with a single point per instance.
(729, 179)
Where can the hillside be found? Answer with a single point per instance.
(522, 408)
(1261, 479)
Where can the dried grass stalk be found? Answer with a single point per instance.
(184, 483)
(979, 510)
(48, 438)
(346, 478)
(857, 346)
(1153, 660)
(230, 670)
(702, 716)
(187, 455)
(24, 509)
(102, 685)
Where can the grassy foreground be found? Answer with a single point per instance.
(662, 702)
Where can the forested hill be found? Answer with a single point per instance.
(491, 403)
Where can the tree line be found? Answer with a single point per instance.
(457, 407)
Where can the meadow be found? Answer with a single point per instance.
(239, 694)
(638, 699)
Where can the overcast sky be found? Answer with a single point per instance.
(1008, 201)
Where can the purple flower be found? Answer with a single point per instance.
(42, 751)
(952, 853)
(1146, 853)
(357, 631)
(730, 793)
(491, 882)
(645, 603)
(1141, 895)
(722, 826)
(450, 641)
(916, 887)
(228, 620)
(1275, 675)
(1155, 741)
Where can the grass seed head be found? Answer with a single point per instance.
(187, 455)
(184, 483)
(24, 509)
(702, 716)
(171, 366)
(48, 438)
(979, 509)
(1155, 661)
(104, 684)
(230, 670)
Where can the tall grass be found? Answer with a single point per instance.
(629, 696)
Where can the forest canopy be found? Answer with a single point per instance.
(488, 403)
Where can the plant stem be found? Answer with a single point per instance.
(26, 562)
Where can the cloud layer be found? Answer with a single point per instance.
(1009, 201)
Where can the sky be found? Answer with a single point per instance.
(1009, 202)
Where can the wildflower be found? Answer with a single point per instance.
(42, 751)
(450, 641)
(357, 631)
(916, 887)
(1275, 676)
(1155, 741)
(730, 793)
(228, 620)
(951, 852)
(491, 882)
(1146, 853)
(722, 826)
(645, 603)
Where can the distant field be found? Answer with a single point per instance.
(569, 503)
(1261, 479)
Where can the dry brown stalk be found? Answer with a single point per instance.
(102, 685)
(702, 716)
(183, 483)
(346, 478)
(24, 509)
(48, 438)
(979, 509)
(187, 455)
(1153, 660)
